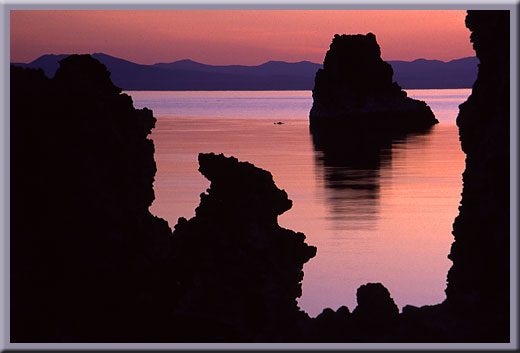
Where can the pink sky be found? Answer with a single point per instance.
(248, 37)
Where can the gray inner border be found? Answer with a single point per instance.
(7, 5)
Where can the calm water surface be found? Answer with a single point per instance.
(386, 220)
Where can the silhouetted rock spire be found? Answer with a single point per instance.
(478, 281)
(355, 89)
(238, 267)
(478, 293)
(89, 262)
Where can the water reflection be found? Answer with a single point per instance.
(350, 163)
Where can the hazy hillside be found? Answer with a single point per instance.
(272, 75)
(421, 73)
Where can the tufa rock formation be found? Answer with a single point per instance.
(89, 263)
(358, 114)
(375, 319)
(478, 291)
(478, 281)
(355, 90)
(239, 270)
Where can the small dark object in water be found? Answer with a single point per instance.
(278, 123)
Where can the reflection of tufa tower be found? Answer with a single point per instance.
(351, 165)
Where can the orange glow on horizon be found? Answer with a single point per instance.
(223, 37)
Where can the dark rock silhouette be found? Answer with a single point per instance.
(375, 313)
(477, 304)
(88, 260)
(355, 90)
(89, 263)
(478, 281)
(238, 267)
(375, 319)
(374, 301)
(331, 326)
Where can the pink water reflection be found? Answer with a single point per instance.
(394, 229)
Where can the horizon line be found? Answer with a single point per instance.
(198, 62)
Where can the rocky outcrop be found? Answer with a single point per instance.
(88, 261)
(375, 306)
(375, 319)
(355, 90)
(478, 281)
(478, 292)
(238, 268)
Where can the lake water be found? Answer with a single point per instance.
(389, 221)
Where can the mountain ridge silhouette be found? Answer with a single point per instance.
(188, 74)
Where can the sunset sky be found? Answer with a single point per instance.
(222, 37)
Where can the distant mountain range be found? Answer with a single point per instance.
(273, 75)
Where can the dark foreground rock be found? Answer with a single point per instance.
(355, 90)
(88, 260)
(89, 263)
(478, 292)
(238, 268)
(478, 281)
